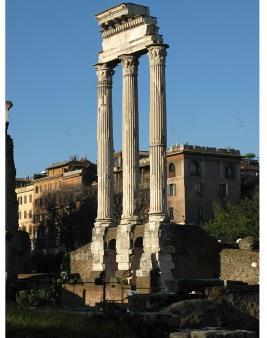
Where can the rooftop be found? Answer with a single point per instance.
(201, 149)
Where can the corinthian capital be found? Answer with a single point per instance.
(129, 64)
(104, 72)
(157, 54)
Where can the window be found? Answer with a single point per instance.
(41, 188)
(36, 190)
(172, 190)
(223, 190)
(25, 214)
(30, 213)
(30, 198)
(20, 200)
(172, 170)
(194, 168)
(229, 171)
(25, 199)
(19, 214)
(198, 188)
(30, 230)
(37, 218)
(171, 213)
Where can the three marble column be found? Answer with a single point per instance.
(130, 155)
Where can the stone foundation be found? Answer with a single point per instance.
(189, 253)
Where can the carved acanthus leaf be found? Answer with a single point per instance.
(157, 54)
(129, 64)
(104, 72)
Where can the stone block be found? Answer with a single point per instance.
(204, 334)
(180, 334)
(249, 243)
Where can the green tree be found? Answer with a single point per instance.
(234, 220)
(249, 155)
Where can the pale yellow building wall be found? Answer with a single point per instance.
(25, 197)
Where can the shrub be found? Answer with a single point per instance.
(40, 297)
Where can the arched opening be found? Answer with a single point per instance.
(138, 243)
(112, 244)
(172, 172)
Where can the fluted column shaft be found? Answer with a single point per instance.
(105, 145)
(130, 136)
(158, 133)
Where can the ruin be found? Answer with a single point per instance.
(128, 255)
(128, 31)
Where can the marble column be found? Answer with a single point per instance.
(130, 137)
(158, 246)
(104, 164)
(158, 134)
(130, 158)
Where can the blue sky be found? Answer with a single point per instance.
(212, 77)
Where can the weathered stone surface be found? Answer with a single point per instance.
(17, 242)
(249, 243)
(237, 265)
(126, 29)
(79, 261)
(213, 333)
(224, 313)
(180, 334)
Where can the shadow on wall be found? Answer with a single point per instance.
(74, 297)
(196, 253)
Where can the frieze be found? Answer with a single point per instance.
(123, 27)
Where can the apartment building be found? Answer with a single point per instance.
(196, 177)
(25, 198)
(57, 176)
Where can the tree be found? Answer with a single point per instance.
(65, 217)
(234, 220)
(249, 155)
(142, 205)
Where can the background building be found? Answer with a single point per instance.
(197, 176)
(25, 207)
(62, 175)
